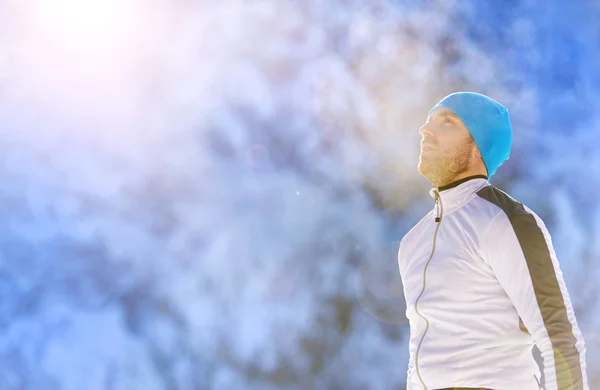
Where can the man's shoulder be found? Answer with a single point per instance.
(417, 227)
(506, 204)
(501, 200)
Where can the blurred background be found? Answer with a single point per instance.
(209, 195)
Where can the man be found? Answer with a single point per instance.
(481, 280)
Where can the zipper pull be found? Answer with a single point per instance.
(438, 217)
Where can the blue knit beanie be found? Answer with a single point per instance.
(487, 121)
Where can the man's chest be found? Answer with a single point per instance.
(443, 262)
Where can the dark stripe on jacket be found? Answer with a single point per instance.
(545, 286)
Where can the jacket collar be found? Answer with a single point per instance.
(455, 194)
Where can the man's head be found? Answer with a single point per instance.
(465, 134)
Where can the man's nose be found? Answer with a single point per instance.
(425, 131)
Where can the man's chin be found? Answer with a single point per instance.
(425, 170)
(424, 166)
(422, 170)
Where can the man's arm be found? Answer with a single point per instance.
(401, 267)
(519, 249)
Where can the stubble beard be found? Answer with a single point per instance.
(441, 170)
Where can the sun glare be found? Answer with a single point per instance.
(84, 25)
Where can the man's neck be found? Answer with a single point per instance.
(459, 180)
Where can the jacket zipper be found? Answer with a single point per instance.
(438, 219)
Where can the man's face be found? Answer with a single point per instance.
(447, 147)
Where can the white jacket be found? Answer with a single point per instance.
(482, 284)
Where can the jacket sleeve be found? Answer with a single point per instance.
(401, 267)
(519, 251)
